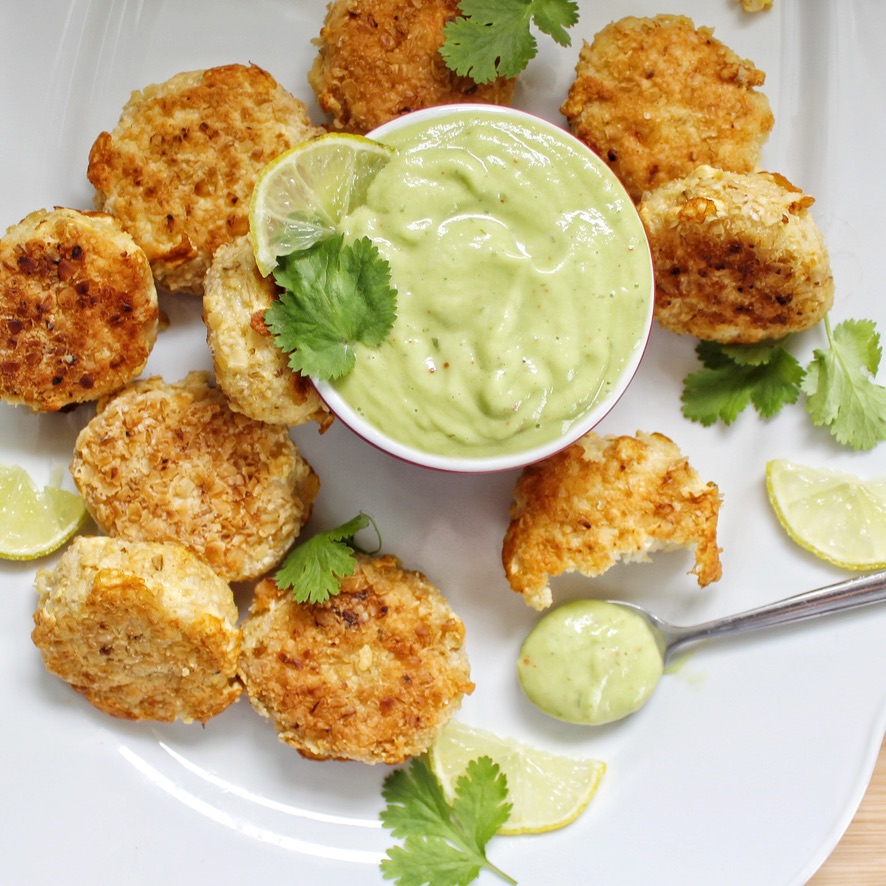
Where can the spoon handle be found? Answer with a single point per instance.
(854, 592)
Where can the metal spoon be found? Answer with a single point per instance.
(850, 594)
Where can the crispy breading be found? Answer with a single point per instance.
(173, 462)
(78, 309)
(144, 631)
(379, 59)
(605, 499)
(738, 257)
(249, 367)
(372, 674)
(179, 168)
(656, 97)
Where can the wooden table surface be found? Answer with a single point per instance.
(860, 857)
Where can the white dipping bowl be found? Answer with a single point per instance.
(628, 234)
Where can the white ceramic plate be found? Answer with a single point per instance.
(747, 764)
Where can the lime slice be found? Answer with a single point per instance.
(302, 195)
(547, 790)
(35, 523)
(837, 516)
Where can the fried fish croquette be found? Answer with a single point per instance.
(606, 499)
(144, 631)
(249, 367)
(173, 462)
(656, 97)
(738, 257)
(371, 675)
(379, 59)
(78, 309)
(179, 168)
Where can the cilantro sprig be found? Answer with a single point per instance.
(314, 569)
(493, 38)
(838, 383)
(767, 376)
(840, 391)
(335, 295)
(443, 845)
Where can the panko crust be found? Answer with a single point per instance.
(173, 462)
(144, 631)
(371, 675)
(179, 168)
(249, 367)
(78, 309)
(605, 499)
(656, 97)
(738, 257)
(379, 59)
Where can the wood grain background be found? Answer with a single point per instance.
(860, 857)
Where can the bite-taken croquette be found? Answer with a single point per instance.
(78, 309)
(606, 499)
(145, 631)
(379, 59)
(249, 367)
(738, 257)
(179, 168)
(656, 97)
(372, 674)
(173, 462)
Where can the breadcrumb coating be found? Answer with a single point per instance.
(738, 257)
(173, 462)
(379, 59)
(372, 674)
(78, 309)
(180, 166)
(249, 367)
(656, 97)
(606, 499)
(144, 631)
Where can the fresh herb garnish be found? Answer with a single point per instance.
(839, 387)
(314, 569)
(335, 294)
(443, 845)
(493, 38)
(765, 375)
(840, 391)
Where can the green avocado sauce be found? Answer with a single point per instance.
(590, 662)
(524, 286)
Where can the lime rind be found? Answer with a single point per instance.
(547, 791)
(34, 522)
(302, 195)
(835, 515)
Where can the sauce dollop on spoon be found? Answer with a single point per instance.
(590, 662)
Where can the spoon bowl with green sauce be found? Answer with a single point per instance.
(524, 291)
(596, 661)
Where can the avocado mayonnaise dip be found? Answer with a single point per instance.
(524, 284)
(590, 662)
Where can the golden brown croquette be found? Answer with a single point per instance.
(372, 674)
(78, 309)
(173, 462)
(179, 168)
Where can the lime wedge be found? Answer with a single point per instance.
(547, 790)
(302, 195)
(34, 523)
(837, 516)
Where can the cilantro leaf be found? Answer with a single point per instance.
(840, 391)
(493, 38)
(732, 378)
(443, 845)
(335, 295)
(314, 568)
